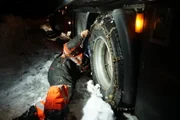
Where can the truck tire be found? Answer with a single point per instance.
(106, 59)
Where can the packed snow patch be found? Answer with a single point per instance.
(18, 98)
(96, 108)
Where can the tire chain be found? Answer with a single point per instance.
(111, 100)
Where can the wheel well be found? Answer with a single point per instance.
(84, 20)
(91, 18)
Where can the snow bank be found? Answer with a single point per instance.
(96, 108)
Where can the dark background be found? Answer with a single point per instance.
(159, 80)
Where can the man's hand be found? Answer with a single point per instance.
(84, 33)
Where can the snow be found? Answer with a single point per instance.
(31, 88)
(96, 108)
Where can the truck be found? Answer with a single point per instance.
(133, 52)
(129, 44)
(128, 48)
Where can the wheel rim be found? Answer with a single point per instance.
(102, 60)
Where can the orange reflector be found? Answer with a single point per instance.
(139, 22)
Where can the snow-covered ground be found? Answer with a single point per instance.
(23, 78)
(96, 108)
(25, 59)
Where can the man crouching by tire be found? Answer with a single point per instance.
(55, 105)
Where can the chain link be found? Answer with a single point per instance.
(116, 86)
(110, 33)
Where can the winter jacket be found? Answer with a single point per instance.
(68, 67)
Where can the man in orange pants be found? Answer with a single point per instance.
(54, 107)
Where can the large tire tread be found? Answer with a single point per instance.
(105, 23)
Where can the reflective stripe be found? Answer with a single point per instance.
(40, 110)
(40, 106)
(67, 51)
(77, 61)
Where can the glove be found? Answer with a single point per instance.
(84, 33)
